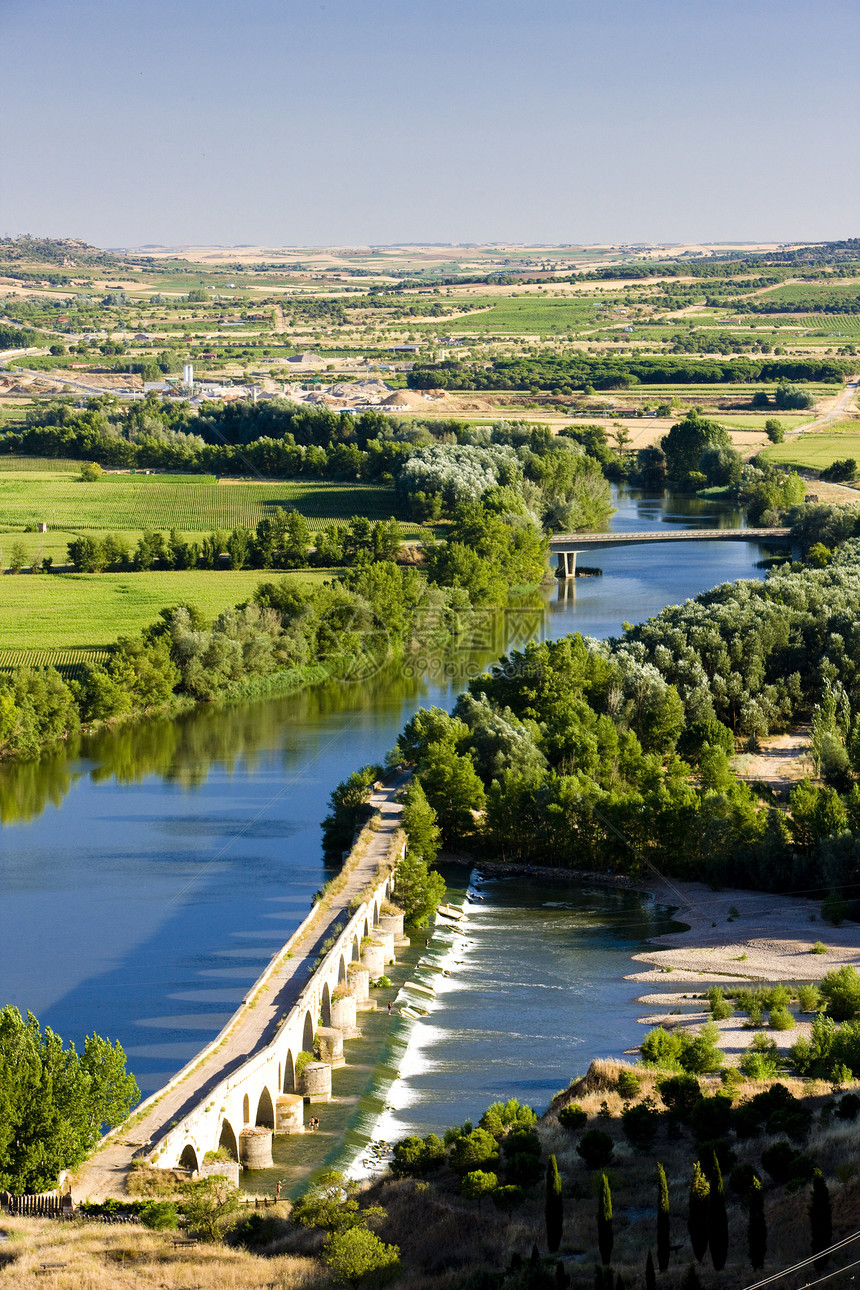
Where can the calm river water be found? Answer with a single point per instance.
(146, 876)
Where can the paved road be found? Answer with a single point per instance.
(250, 1030)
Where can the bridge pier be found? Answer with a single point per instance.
(567, 564)
(290, 1113)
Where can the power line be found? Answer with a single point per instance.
(804, 1263)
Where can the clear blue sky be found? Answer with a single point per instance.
(380, 121)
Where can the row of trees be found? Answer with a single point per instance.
(282, 541)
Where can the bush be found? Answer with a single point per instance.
(848, 1107)
(415, 1156)
(841, 992)
(358, 1256)
(785, 1165)
(721, 1009)
(711, 1116)
(741, 1178)
(809, 996)
(640, 1124)
(781, 1019)
(573, 1117)
(523, 1169)
(681, 1095)
(595, 1148)
(629, 1084)
(159, 1215)
(502, 1116)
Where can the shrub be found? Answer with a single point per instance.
(785, 1165)
(681, 1094)
(304, 1059)
(502, 1116)
(781, 1019)
(841, 992)
(414, 1156)
(475, 1150)
(819, 948)
(640, 1124)
(573, 1117)
(523, 1141)
(356, 1255)
(507, 1197)
(741, 1178)
(721, 1009)
(159, 1215)
(629, 1084)
(711, 1116)
(595, 1149)
(523, 1169)
(848, 1107)
(809, 996)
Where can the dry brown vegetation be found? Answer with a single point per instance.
(108, 1258)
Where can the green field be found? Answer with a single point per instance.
(85, 611)
(134, 502)
(816, 451)
(514, 316)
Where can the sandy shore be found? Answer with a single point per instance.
(734, 938)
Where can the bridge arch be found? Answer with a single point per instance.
(265, 1109)
(308, 1034)
(246, 1110)
(228, 1139)
(325, 1005)
(188, 1158)
(341, 971)
(289, 1084)
(356, 950)
(376, 913)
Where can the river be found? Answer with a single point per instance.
(148, 874)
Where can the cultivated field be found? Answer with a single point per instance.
(816, 451)
(41, 612)
(191, 503)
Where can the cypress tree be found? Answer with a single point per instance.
(820, 1217)
(697, 1220)
(757, 1225)
(650, 1274)
(662, 1220)
(554, 1211)
(604, 1222)
(718, 1223)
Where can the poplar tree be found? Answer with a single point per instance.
(756, 1225)
(650, 1274)
(663, 1251)
(718, 1223)
(820, 1217)
(554, 1206)
(697, 1220)
(605, 1236)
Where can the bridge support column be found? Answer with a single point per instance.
(343, 1014)
(290, 1113)
(567, 564)
(391, 920)
(316, 1082)
(331, 1046)
(255, 1147)
(386, 939)
(358, 979)
(373, 958)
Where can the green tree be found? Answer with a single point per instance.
(554, 1206)
(650, 1274)
(756, 1224)
(478, 1184)
(54, 1101)
(209, 1204)
(420, 890)
(663, 1242)
(91, 471)
(348, 811)
(820, 1217)
(419, 821)
(775, 431)
(841, 992)
(357, 1256)
(605, 1238)
(453, 789)
(697, 1219)
(17, 557)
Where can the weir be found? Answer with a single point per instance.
(252, 1082)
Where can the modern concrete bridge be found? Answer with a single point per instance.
(568, 545)
(245, 1086)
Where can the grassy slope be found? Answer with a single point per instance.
(61, 611)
